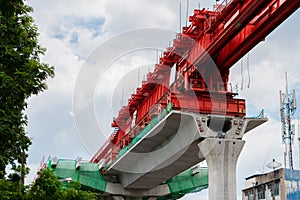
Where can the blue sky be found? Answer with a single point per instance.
(72, 30)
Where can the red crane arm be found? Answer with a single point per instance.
(255, 31)
(234, 31)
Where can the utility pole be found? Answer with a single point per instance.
(287, 110)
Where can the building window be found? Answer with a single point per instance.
(261, 192)
(276, 189)
(250, 195)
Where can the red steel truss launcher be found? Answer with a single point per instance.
(201, 57)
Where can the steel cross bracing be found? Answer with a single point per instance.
(214, 38)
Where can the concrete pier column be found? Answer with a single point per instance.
(117, 198)
(221, 156)
(152, 198)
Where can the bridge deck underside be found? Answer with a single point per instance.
(168, 149)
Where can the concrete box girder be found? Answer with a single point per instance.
(172, 147)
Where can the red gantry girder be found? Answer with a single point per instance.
(202, 56)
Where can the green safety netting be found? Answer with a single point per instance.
(187, 182)
(91, 179)
(88, 174)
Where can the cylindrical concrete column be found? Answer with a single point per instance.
(221, 156)
(152, 198)
(117, 198)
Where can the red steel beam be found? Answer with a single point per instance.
(252, 34)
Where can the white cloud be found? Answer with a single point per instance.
(268, 62)
(66, 63)
(33, 171)
(135, 14)
(203, 195)
(52, 14)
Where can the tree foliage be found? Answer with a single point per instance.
(47, 186)
(11, 190)
(22, 74)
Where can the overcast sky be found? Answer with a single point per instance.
(75, 32)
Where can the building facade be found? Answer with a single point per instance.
(281, 184)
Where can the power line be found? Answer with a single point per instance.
(187, 12)
(248, 69)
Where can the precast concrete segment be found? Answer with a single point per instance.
(117, 190)
(128, 198)
(117, 198)
(165, 159)
(221, 156)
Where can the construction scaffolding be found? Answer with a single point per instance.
(90, 177)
